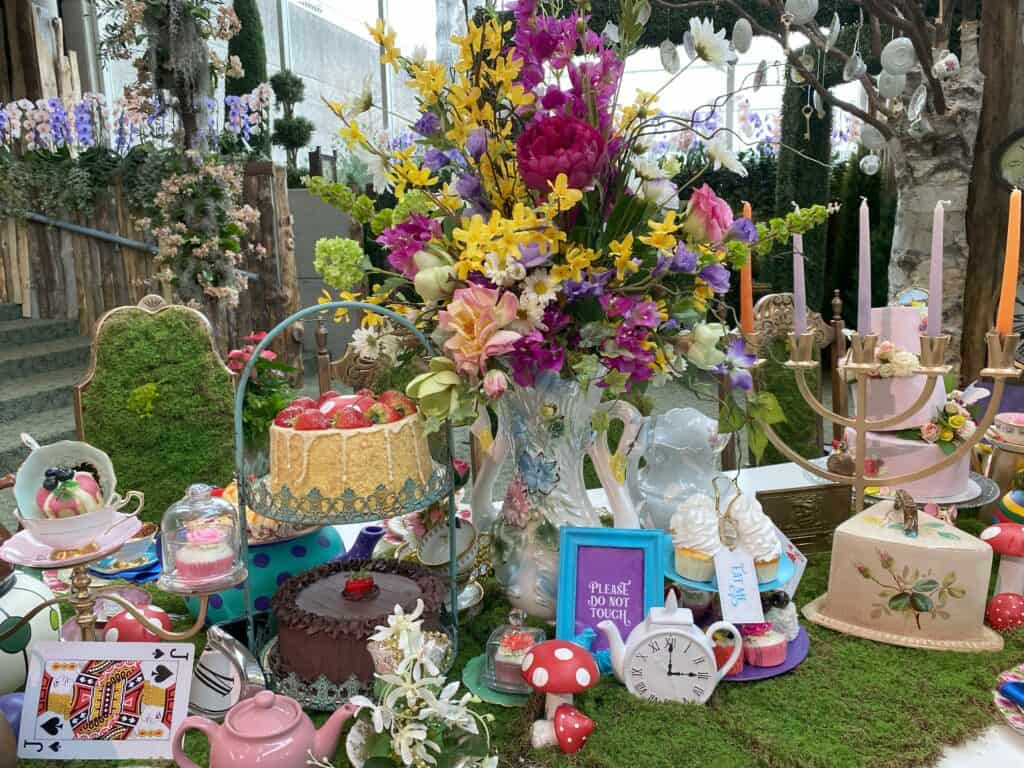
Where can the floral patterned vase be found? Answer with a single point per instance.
(547, 430)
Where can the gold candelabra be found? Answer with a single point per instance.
(1001, 367)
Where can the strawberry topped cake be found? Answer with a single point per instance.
(341, 442)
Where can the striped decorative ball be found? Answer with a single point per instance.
(1011, 507)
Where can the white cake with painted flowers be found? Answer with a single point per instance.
(923, 438)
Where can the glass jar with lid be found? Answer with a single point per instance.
(200, 542)
(506, 648)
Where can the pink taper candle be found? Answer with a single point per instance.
(935, 273)
(864, 271)
(1008, 293)
(799, 290)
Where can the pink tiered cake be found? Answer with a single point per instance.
(889, 455)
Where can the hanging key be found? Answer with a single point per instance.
(808, 110)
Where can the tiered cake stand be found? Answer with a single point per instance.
(315, 509)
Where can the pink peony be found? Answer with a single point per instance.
(495, 384)
(475, 317)
(559, 144)
(708, 217)
(930, 433)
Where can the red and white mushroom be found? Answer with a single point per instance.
(559, 669)
(1007, 540)
(1005, 612)
(125, 628)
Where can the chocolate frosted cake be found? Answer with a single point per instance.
(322, 631)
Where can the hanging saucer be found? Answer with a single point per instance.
(833, 32)
(742, 35)
(872, 138)
(898, 57)
(870, 165)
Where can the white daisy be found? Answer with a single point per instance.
(531, 314)
(502, 271)
(722, 156)
(709, 45)
(538, 286)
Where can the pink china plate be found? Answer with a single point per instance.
(24, 549)
(1014, 715)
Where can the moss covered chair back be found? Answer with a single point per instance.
(804, 429)
(159, 400)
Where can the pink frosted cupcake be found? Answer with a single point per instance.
(762, 645)
(205, 555)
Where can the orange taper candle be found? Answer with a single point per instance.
(1008, 294)
(747, 285)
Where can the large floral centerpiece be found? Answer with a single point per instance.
(554, 261)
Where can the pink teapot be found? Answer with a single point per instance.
(266, 731)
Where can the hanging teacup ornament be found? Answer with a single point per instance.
(689, 46)
(802, 11)
(833, 32)
(807, 62)
(917, 102)
(871, 137)
(669, 56)
(760, 75)
(870, 164)
(891, 86)
(898, 56)
(742, 35)
(855, 67)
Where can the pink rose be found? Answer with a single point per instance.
(475, 318)
(885, 349)
(559, 144)
(708, 217)
(495, 384)
(930, 433)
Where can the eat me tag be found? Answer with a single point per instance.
(738, 591)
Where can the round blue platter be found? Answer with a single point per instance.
(786, 571)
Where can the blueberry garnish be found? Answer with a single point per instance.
(50, 483)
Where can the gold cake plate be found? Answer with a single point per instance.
(988, 640)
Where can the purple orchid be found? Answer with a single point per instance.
(737, 366)
(590, 288)
(717, 276)
(531, 355)
(405, 239)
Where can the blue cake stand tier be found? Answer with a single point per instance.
(786, 571)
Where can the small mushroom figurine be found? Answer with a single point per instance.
(125, 628)
(1007, 541)
(1005, 612)
(906, 506)
(559, 669)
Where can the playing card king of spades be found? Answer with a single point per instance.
(104, 700)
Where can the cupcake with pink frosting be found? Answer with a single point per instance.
(204, 555)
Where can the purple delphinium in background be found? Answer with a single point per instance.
(59, 128)
(405, 239)
(717, 276)
(427, 125)
(736, 366)
(476, 142)
(3, 127)
(742, 229)
(82, 121)
(533, 354)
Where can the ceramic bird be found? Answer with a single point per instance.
(906, 505)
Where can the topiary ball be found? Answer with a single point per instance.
(1011, 507)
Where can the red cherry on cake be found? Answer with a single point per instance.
(382, 413)
(303, 402)
(311, 419)
(401, 403)
(330, 394)
(358, 586)
(286, 416)
(350, 418)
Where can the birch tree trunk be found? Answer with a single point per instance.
(934, 165)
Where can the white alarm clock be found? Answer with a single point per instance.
(668, 658)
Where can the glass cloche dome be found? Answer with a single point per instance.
(506, 648)
(200, 542)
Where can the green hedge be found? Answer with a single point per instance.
(161, 405)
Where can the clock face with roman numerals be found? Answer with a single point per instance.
(669, 665)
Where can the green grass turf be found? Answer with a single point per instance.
(852, 703)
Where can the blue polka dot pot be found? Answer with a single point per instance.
(270, 566)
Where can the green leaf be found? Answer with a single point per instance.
(757, 440)
(948, 535)
(957, 592)
(767, 408)
(921, 603)
(380, 762)
(900, 602)
(926, 585)
(947, 448)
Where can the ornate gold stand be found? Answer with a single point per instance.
(83, 596)
(933, 352)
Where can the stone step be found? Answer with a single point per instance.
(10, 312)
(38, 393)
(47, 427)
(22, 332)
(16, 362)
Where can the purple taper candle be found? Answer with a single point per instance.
(864, 271)
(799, 289)
(935, 273)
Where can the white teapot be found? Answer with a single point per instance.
(668, 658)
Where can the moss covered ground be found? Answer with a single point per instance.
(161, 405)
(851, 704)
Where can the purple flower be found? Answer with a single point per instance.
(742, 229)
(717, 276)
(682, 260)
(555, 320)
(644, 314)
(427, 125)
(736, 366)
(405, 239)
(554, 98)
(476, 142)
(469, 189)
(435, 159)
(531, 355)
(591, 288)
(531, 255)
